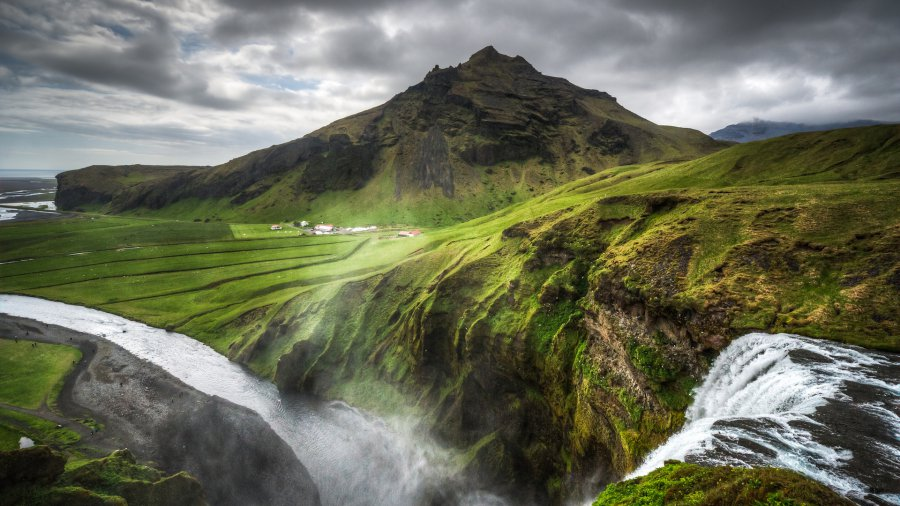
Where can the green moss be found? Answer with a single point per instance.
(656, 365)
(40, 430)
(42, 476)
(678, 483)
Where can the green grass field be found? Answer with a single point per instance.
(32, 375)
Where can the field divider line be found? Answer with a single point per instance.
(173, 271)
(162, 245)
(239, 278)
(81, 266)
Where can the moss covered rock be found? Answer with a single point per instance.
(678, 483)
(36, 476)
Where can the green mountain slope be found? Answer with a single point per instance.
(465, 141)
(95, 186)
(548, 340)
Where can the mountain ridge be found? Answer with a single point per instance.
(462, 142)
(759, 129)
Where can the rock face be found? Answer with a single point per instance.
(230, 449)
(470, 132)
(38, 465)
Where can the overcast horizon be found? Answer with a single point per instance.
(202, 81)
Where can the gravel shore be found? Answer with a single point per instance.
(230, 449)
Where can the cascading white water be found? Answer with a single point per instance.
(826, 410)
(354, 458)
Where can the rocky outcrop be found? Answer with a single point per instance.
(432, 166)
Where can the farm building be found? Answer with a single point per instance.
(275, 227)
(409, 233)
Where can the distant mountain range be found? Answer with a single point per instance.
(759, 129)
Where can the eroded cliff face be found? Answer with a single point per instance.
(547, 380)
(558, 353)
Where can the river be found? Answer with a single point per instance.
(824, 409)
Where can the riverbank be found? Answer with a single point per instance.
(230, 449)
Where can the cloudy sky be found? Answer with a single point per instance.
(203, 81)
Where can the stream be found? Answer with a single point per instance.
(826, 410)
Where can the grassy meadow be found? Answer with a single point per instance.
(31, 375)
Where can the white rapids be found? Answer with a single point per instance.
(826, 410)
(354, 458)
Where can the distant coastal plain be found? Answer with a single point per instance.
(29, 173)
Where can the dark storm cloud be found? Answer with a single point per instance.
(269, 25)
(315, 5)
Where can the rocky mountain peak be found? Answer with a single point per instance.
(490, 58)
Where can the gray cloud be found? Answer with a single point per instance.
(147, 60)
(696, 63)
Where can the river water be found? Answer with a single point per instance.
(354, 458)
(826, 410)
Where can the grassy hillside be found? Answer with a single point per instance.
(549, 339)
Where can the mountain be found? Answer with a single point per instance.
(759, 129)
(97, 185)
(465, 141)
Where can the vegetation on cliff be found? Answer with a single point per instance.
(95, 187)
(679, 484)
(553, 339)
(40, 475)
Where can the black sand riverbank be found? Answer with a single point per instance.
(230, 449)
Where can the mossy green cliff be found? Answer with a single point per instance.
(564, 336)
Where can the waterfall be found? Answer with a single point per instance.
(826, 410)
(353, 457)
